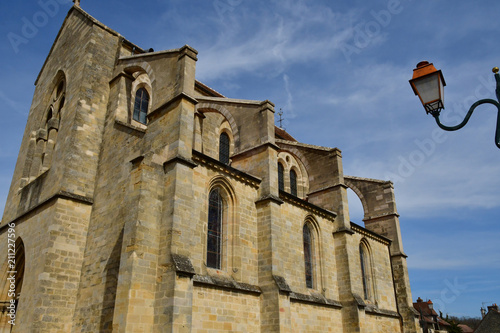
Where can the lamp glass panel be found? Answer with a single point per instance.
(429, 88)
(441, 90)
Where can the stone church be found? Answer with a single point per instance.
(145, 201)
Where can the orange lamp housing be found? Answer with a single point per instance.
(428, 83)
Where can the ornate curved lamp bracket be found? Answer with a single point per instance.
(436, 113)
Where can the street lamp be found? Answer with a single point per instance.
(428, 83)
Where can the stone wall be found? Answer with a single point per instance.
(216, 310)
(115, 231)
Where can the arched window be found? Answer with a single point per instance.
(141, 105)
(281, 179)
(308, 255)
(224, 148)
(293, 182)
(214, 234)
(366, 269)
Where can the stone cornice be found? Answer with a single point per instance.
(305, 145)
(374, 310)
(223, 283)
(373, 218)
(287, 197)
(303, 298)
(183, 265)
(60, 195)
(327, 188)
(370, 234)
(236, 174)
(136, 129)
(371, 180)
(226, 100)
(122, 74)
(181, 96)
(250, 150)
(343, 230)
(401, 254)
(314, 299)
(269, 198)
(182, 160)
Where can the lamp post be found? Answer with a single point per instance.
(428, 83)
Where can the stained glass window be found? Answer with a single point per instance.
(293, 182)
(364, 270)
(281, 180)
(141, 105)
(214, 238)
(308, 255)
(224, 148)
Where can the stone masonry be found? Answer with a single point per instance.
(110, 213)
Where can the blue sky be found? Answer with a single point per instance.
(340, 71)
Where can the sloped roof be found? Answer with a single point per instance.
(465, 328)
(282, 134)
(490, 323)
(428, 314)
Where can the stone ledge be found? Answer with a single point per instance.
(156, 113)
(327, 188)
(287, 197)
(303, 298)
(226, 100)
(255, 149)
(373, 218)
(226, 284)
(314, 299)
(370, 234)
(59, 195)
(182, 160)
(370, 180)
(343, 230)
(281, 283)
(228, 170)
(373, 309)
(305, 145)
(183, 265)
(268, 198)
(130, 126)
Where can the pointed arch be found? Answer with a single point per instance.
(214, 230)
(312, 253)
(221, 203)
(141, 105)
(296, 180)
(308, 255)
(141, 66)
(358, 192)
(212, 107)
(293, 182)
(224, 148)
(281, 177)
(366, 265)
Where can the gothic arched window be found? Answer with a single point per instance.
(281, 179)
(366, 269)
(308, 255)
(214, 234)
(293, 182)
(224, 148)
(141, 105)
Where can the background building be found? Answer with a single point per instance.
(145, 201)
